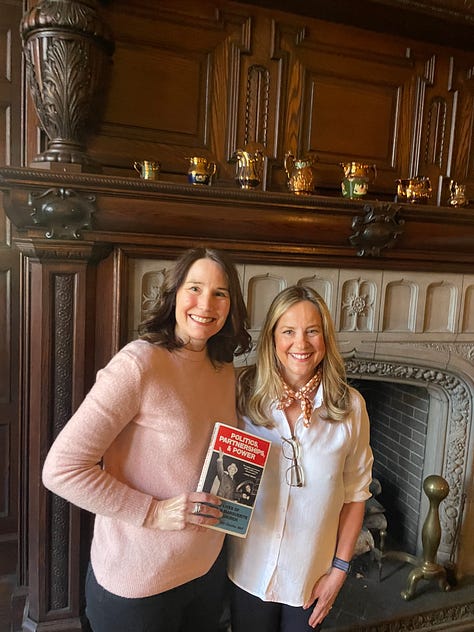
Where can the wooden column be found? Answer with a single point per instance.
(58, 351)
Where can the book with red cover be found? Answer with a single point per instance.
(232, 470)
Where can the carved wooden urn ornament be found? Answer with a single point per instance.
(66, 46)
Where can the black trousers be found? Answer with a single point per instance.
(193, 607)
(251, 614)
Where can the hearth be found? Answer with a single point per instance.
(367, 604)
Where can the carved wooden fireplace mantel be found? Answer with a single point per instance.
(282, 227)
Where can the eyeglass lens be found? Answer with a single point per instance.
(291, 451)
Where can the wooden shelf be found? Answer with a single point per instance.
(148, 217)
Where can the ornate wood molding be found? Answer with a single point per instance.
(281, 227)
(450, 22)
(59, 293)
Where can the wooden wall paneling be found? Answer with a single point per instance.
(462, 167)
(225, 73)
(226, 106)
(10, 154)
(444, 22)
(111, 320)
(157, 95)
(416, 91)
(186, 82)
(345, 102)
(160, 101)
(253, 115)
(10, 83)
(286, 38)
(9, 412)
(59, 294)
(108, 331)
(435, 149)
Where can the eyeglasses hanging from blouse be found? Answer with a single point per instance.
(294, 473)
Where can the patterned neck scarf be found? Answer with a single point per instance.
(303, 394)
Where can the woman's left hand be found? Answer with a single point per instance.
(325, 591)
(191, 509)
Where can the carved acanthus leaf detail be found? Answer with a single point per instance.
(66, 45)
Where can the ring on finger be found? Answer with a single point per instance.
(197, 508)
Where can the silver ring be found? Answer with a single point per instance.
(197, 508)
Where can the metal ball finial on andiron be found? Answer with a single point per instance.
(436, 489)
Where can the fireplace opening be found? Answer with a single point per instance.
(420, 423)
(399, 427)
(446, 449)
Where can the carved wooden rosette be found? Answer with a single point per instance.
(66, 48)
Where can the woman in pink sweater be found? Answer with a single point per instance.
(133, 452)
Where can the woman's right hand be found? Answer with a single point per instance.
(180, 512)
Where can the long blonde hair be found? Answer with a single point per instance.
(259, 385)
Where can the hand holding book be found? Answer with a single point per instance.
(233, 468)
(198, 509)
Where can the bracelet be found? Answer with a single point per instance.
(342, 565)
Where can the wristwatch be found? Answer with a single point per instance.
(342, 565)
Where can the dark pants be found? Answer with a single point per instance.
(251, 614)
(193, 607)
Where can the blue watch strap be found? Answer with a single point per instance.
(342, 565)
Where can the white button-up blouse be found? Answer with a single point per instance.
(293, 531)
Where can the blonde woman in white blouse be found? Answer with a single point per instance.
(289, 570)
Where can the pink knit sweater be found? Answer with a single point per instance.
(149, 416)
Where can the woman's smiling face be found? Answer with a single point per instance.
(299, 343)
(202, 304)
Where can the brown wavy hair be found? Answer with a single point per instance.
(159, 327)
